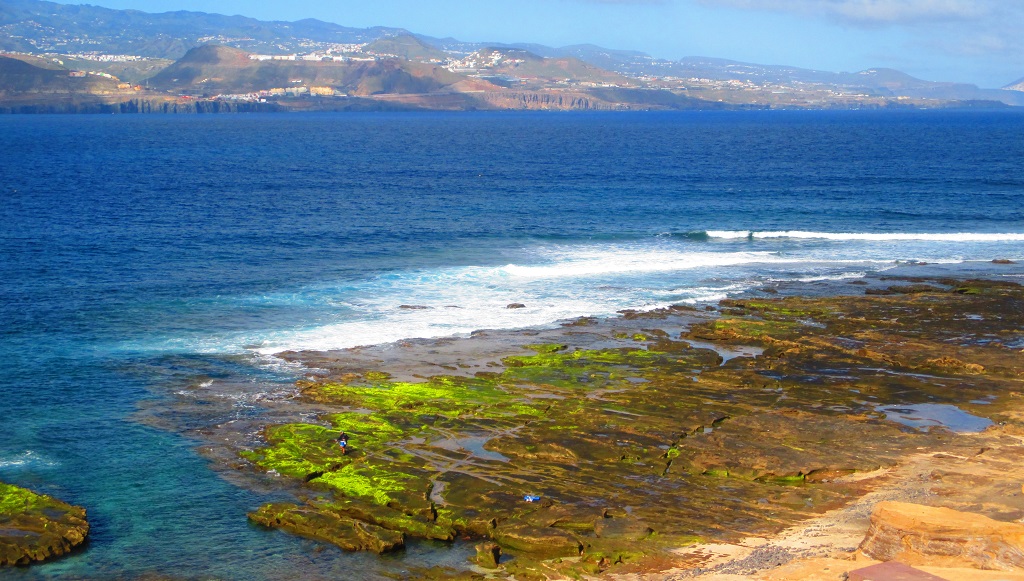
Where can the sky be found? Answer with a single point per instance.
(973, 41)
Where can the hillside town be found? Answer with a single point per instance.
(572, 74)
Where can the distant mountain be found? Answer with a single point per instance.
(596, 55)
(879, 82)
(523, 66)
(592, 54)
(1017, 85)
(218, 73)
(40, 26)
(898, 83)
(406, 46)
(234, 55)
(18, 77)
(211, 70)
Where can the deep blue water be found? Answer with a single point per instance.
(139, 253)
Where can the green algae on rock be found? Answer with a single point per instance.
(34, 527)
(326, 525)
(577, 457)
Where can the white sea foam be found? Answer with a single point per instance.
(707, 298)
(26, 458)
(701, 290)
(728, 233)
(824, 277)
(871, 236)
(397, 324)
(638, 261)
(555, 282)
(561, 282)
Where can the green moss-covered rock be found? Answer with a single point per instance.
(301, 451)
(332, 527)
(538, 542)
(413, 525)
(538, 453)
(34, 527)
(488, 555)
(623, 528)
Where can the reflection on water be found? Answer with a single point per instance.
(727, 352)
(928, 415)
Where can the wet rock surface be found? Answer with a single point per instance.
(606, 445)
(325, 524)
(35, 527)
(488, 555)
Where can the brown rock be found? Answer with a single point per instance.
(562, 517)
(924, 535)
(347, 533)
(622, 528)
(515, 306)
(488, 555)
(954, 364)
(546, 542)
(392, 519)
(34, 527)
(891, 571)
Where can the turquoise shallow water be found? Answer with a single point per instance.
(140, 255)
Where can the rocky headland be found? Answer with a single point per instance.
(34, 527)
(639, 446)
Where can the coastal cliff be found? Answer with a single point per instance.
(136, 105)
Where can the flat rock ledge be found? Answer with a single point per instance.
(34, 527)
(329, 526)
(925, 535)
(605, 444)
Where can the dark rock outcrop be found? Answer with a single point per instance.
(488, 555)
(345, 532)
(34, 527)
(537, 541)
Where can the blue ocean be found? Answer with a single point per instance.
(141, 255)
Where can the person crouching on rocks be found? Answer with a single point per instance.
(343, 443)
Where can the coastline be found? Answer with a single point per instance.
(153, 103)
(417, 360)
(167, 328)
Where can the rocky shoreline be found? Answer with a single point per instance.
(35, 527)
(605, 446)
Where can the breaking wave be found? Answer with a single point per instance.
(869, 236)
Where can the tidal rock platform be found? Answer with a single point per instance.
(607, 445)
(35, 527)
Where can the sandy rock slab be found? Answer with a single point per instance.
(892, 571)
(34, 527)
(861, 568)
(916, 534)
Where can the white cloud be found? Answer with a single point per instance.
(624, 1)
(982, 36)
(874, 12)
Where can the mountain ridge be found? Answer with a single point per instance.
(1017, 85)
(394, 60)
